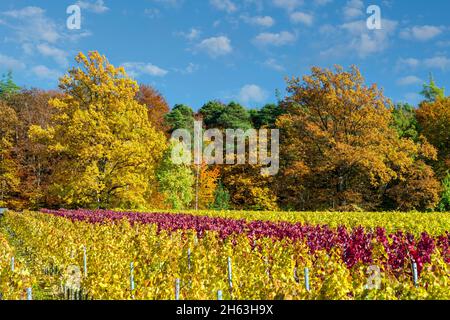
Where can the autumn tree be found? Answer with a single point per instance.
(417, 189)
(241, 184)
(433, 116)
(157, 107)
(434, 121)
(221, 116)
(9, 176)
(176, 180)
(405, 121)
(338, 148)
(444, 204)
(106, 148)
(208, 183)
(180, 117)
(8, 86)
(221, 198)
(32, 108)
(266, 116)
(249, 190)
(431, 91)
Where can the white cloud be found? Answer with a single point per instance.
(31, 25)
(191, 68)
(136, 69)
(421, 33)
(97, 7)
(152, 13)
(413, 98)
(45, 73)
(11, 63)
(27, 12)
(257, 4)
(262, 21)
(438, 62)
(60, 56)
(355, 28)
(366, 42)
(170, 3)
(408, 63)
(288, 4)
(353, 9)
(327, 29)
(301, 17)
(322, 2)
(354, 37)
(216, 46)
(252, 93)
(224, 5)
(191, 35)
(409, 80)
(274, 39)
(274, 65)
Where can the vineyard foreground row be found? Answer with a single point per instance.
(125, 255)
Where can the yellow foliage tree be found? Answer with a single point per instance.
(208, 178)
(106, 148)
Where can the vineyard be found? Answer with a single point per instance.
(223, 255)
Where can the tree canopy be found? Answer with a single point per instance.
(338, 147)
(431, 91)
(106, 147)
(180, 117)
(232, 116)
(7, 85)
(101, 141)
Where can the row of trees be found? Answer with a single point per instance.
(102, 141)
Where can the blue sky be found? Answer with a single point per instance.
(193, 51)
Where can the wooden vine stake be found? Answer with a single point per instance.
(230, 277)
(189, 259)
(132, 279)
(177, 289)
(84, 261)
(296, 279)
(415, 274)
(29, 294)
(307, 285)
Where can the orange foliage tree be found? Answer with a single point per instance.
(207, 185)
(157, 106)
(434, 121)
(32, 108)
(9, 179)
(338, 150)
